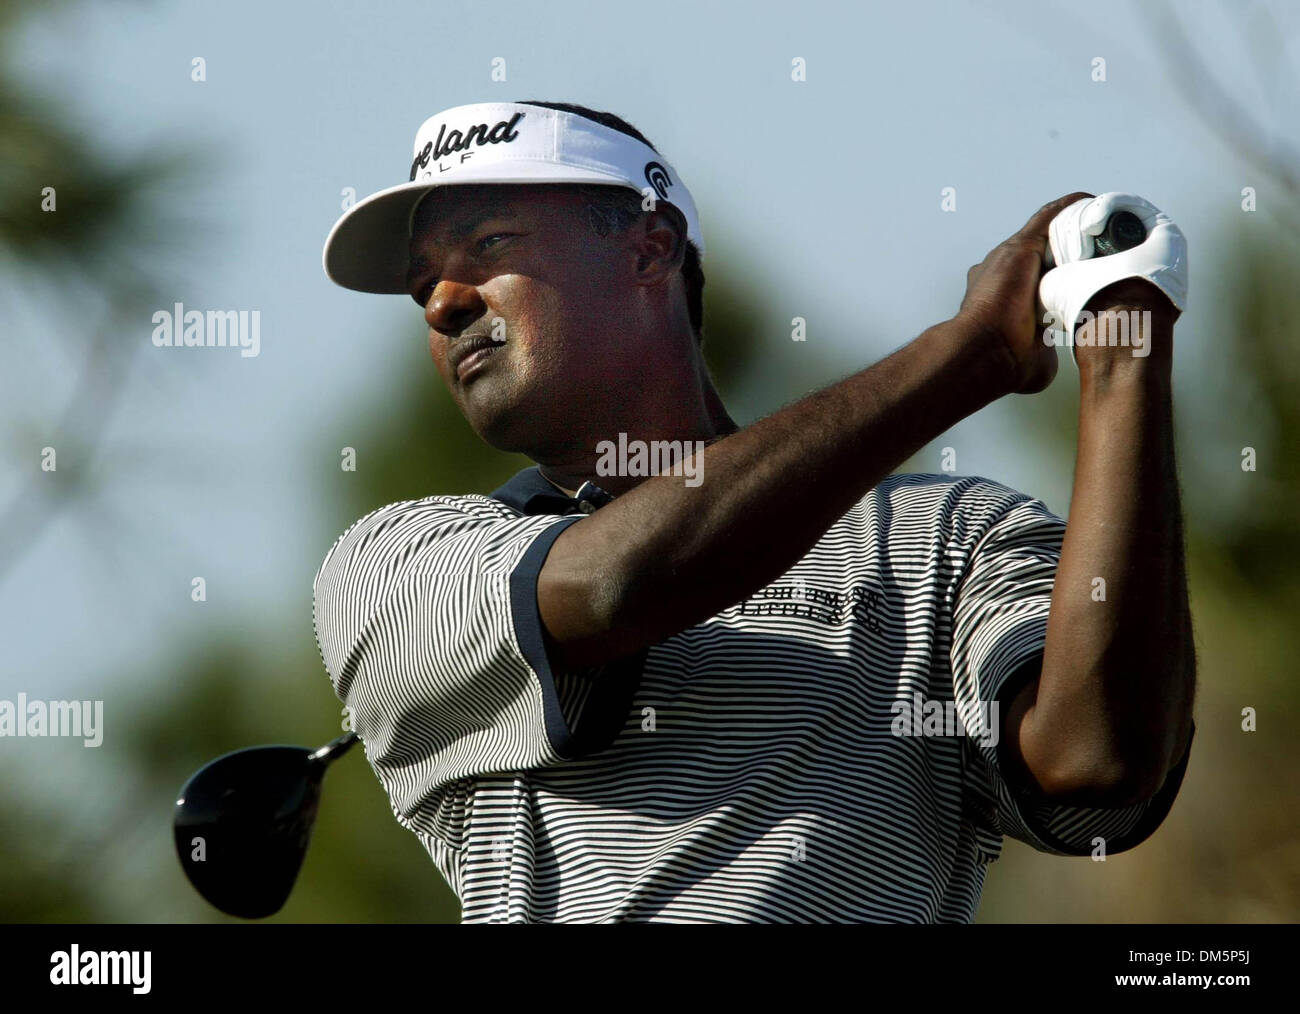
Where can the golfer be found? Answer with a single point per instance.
(685, 671)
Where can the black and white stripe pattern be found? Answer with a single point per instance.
(744, 770)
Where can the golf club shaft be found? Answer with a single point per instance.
(335, 748)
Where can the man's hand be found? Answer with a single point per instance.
(1079, 276)
(1001, 302)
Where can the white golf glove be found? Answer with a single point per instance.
(1077, 275)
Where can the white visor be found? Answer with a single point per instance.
(492, 142)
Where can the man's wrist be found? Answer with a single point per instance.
(1123, 375)
(980, 352)
(1125, 340)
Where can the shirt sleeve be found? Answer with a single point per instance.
(427, 621)
(999, 630)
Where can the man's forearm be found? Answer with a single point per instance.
(1114, 698)
(665, 556)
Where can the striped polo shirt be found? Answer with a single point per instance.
(824, 751)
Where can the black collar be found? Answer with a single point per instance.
(529, 493)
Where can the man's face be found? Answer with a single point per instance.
(517, 264)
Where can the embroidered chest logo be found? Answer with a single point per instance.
(862, 604)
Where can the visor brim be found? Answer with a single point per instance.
(368, 248)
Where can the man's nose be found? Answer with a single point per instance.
(453, 307)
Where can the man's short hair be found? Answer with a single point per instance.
(613, 209)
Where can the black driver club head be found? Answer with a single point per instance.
(243, 823)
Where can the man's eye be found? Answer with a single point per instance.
(423, 296)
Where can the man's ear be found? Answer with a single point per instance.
(660, 243)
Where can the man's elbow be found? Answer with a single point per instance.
(1110, 783)
(1124, 764)
(580, 611)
